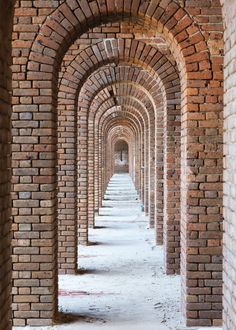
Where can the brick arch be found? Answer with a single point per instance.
(101, 87)
(116, 137)
(72, 84)
(125, 123)
(170, 87)
(150, 85)
(83, 225)
(131, 109)
(129, 85)
(101, 108)
(109, 121)
(174, 266)
(115, 134)
(117, 142)
(122, 121)
(110, 74)
(147, 57)
(130, 136)
(157, 101)
(139, 127)
(134, 103)
(72, 79)
(70, 20)
(113, 137)
(120, 118)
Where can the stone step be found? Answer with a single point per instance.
(117, 217)
(120, 187)
(122, 191)
(126, 208)
(120, 198)
(119, 211)
(125, 183)
(122, 204)
(121, 179)
(127, 193)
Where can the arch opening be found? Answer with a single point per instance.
(121, 157)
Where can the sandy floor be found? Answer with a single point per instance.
(122, 284)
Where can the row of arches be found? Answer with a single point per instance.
(172, 69)
(87, 74)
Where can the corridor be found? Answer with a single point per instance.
(121, 282)
(117, 164)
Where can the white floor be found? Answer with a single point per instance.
(122, 283)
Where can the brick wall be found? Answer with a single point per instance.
(229, 315)
(6, 22)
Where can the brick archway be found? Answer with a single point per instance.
(200, 76)
(71, 79)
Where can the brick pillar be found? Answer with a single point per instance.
(35, 222)
(91, 172)
(6, 21)
(146, 171)
(137, 164)
(142, 185)
(159, 175)
(35, 203)
(152, 173)
(82, 174)
(96, 175)
(172, 132)
(201, 203)
(67, 189)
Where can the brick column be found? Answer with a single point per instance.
(91, 173)
(6, 22)
(152, 173)
(82, 175)
(67, 190)
(172, 131)
(201, 204)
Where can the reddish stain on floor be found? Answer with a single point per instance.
(73, 293)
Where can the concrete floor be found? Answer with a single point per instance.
(122, 285)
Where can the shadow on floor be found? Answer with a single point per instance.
(84, 271)
(67, 318)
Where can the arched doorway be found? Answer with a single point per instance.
(121, 157)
